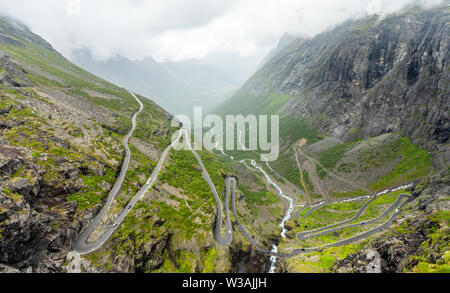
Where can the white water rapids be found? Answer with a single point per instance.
(287, 216)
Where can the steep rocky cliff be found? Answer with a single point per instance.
(364, 78)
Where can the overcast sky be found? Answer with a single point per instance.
(184, 29)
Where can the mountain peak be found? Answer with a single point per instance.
(14, 33)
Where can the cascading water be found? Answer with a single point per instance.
(273, 260)
(287, 216)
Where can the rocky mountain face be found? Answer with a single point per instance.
(61, 150)
(284, 42)
(12, 75)
(365, 78)
(61, 131)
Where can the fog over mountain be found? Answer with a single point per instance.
(176, 30)
(184, 53)
(176, 86)
(180, 30)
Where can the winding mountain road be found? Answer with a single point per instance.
(343, 225)
(228, 238)
(397, 205)
(82, 245)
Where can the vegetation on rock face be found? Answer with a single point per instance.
(321, 261)
(263, 197)
(252, 104)
(434, 252)
(415, 163)
(331, 157)
(74, 138)
(90, 195)
(292, 129)
(401, 161)
(181, 209)
(184, 173)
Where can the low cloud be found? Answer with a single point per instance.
(179, 29)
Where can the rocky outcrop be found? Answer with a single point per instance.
(11, 74)
(36, 231)
(37, 223)
(146, 258)
(28, 240)
(396, 252)
(246, 259)
(9, 161)
(433, 192)
(8, 270)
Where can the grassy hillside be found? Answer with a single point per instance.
(61, 132)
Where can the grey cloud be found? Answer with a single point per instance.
(186, 29)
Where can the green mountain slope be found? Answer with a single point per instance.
(61, 132)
